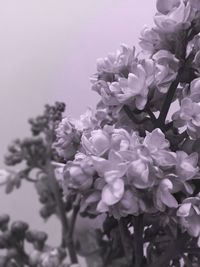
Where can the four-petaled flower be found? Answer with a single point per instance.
(134, 89)
(189, 214)
(166, 67)
(188, 116)
(172, 14)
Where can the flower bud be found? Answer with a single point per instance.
(18, 229)
(34, 235)
(34, 258)
(6, 239)
(4, 219)
(12, 253)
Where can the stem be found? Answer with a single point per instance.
(124, 234)
(70, 241)
(138, 240)
(168, 126)
(60, 204)
(23, 258)
(151, 115)
(167, 103)
(187, 261)
(31, 180)
(59, 201)
(63, 218)
(131, 116)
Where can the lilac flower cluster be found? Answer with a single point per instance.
(129, 157)
(123, 173)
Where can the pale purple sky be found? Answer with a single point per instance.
(48, 51)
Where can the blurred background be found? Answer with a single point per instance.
(48, 51)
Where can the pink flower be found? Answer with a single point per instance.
(68, 139)
(158, 148)
(188, 116)
(113, 192)
(98, 142)
(112, 172)
(51, 258)
(155, 141)
(172, 14)
(78, 175)
(195, 90)
(132, 90)
(189, 213)
(185, 169)
(111, 168)
(116, 62)
(121, 140)
(166, 67)
(130, 204)
(150, 40)
(140, 174)
(87, 121)
(186, 165)
(104, 90)
(195, 4)
(163, 196)
(4, 176)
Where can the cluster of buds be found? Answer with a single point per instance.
(12, 241)
(52, 115)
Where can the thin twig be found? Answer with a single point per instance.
(29, 179)
(60, 204)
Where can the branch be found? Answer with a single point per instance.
(131, 116)
(70, 242)
(58, 198)
(168, 126)
(138, 240)
(187, 261)
(168, 99)
(151, 115)
(124, 234)
(60, 204)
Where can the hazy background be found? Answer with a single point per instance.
(48, 51)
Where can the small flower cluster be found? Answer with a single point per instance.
(189, 212)
(12, 237)
(126, 174)
(52, 257)
(172, 18)
(131, 80)
(189, 114)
